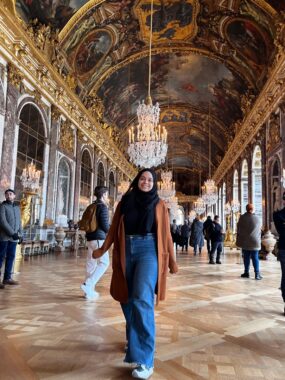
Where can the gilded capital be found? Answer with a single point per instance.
(15, 77)
(55, 113)
(66, 139)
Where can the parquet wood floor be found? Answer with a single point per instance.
(213, 325)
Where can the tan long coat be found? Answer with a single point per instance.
(166, 259)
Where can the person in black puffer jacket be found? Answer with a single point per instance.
(10, 234)
(95, 268)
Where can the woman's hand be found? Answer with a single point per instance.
(97, 253)
(173, 268)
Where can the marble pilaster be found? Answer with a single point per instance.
(10, 140)
(51, 183)
(77, 176)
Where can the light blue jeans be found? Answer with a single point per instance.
(141, 275)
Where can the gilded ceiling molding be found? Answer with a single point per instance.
(267, 101)
(265, 6)
(77, 17)
(33, 65)
(166, 50)
(10, 5)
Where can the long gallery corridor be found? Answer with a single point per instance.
(213, 325)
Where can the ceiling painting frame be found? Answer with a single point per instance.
(145, 30)
(110, 32)
(81, 12)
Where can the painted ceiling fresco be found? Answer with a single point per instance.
(55, 13)
(210, 58)
(193, 80)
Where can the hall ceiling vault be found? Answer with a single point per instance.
(210, 61)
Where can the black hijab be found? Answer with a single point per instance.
(144, 201)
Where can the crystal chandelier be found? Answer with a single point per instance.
(148, 141)
(227, 208)
(199, 206)
(235, 205)
(172, 204)
(192, 215)
(209, 190)
(166, 187)
(30, 178)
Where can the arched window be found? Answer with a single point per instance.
(101, 175)
(224, 197)
(257, 181)
(111, 188)
(235, 186)
(86, 175)
(31, 142)
(63, 192)
(244, 186)
(275, 195)
(220, 209)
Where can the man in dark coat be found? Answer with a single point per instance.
(197, 237)
(207, 228)
(216, 235)
(185, 233)
(10, 233)
(279, 221)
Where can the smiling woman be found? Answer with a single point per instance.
(143, 250)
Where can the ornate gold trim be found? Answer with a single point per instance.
(265, 6)
(18, 48)
(10, 5)
(268, 100)
(77, 17)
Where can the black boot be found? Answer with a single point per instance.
(245, 275)
(258, 276)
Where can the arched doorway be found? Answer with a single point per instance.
(244, 186)
(257, 182)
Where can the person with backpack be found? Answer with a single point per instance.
(95, 222)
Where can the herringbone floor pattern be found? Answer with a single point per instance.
(213, 325)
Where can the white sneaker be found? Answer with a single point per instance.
(90, 294)
(142, 372)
